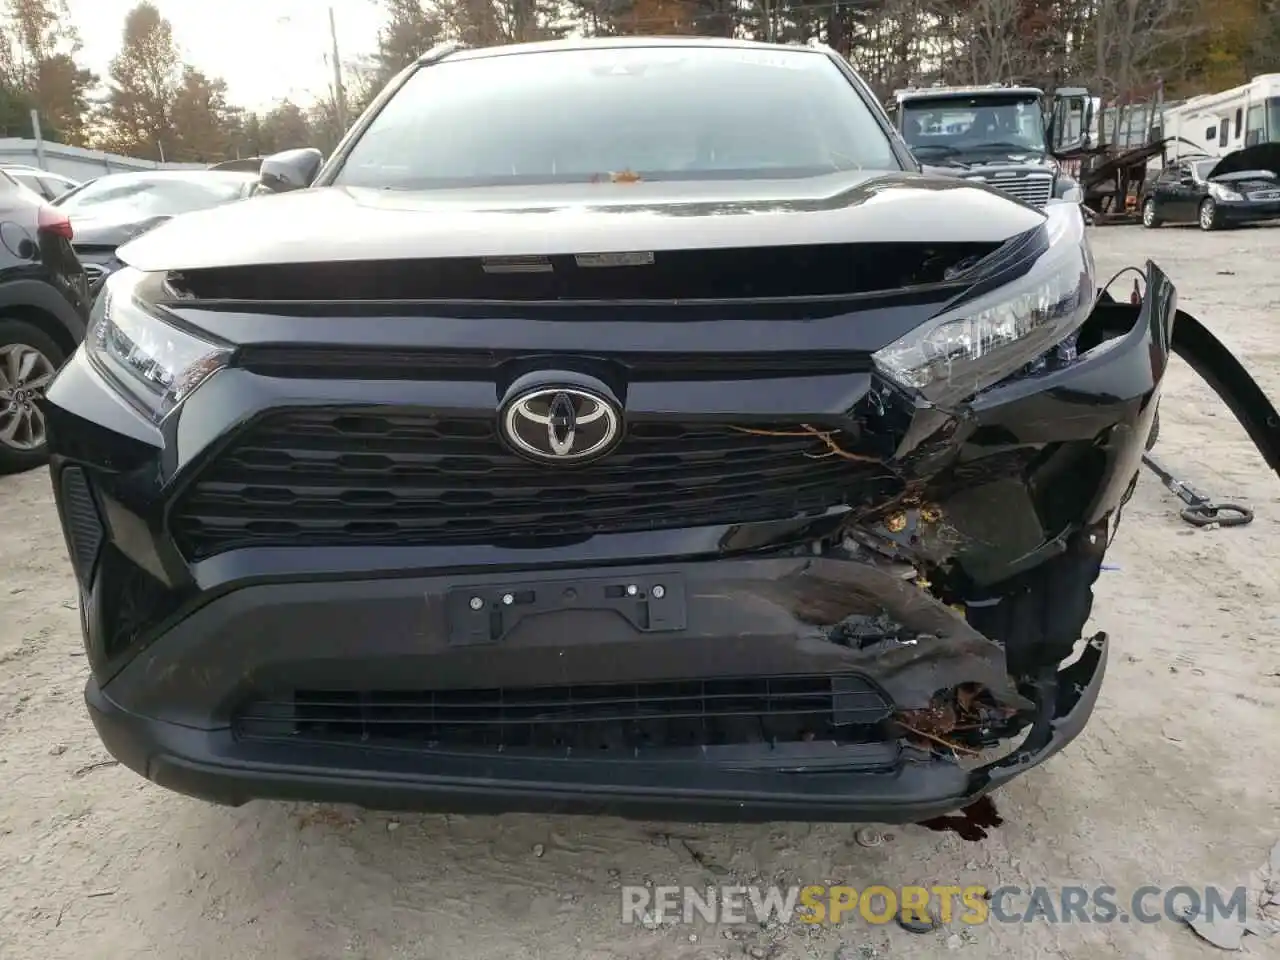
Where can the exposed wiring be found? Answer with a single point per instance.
(807, 430)
(941, 741)
(1106, 287)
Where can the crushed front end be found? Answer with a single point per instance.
(720, 558)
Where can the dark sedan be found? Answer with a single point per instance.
(112, 210)
(1242, 187)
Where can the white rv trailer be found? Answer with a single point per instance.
(1215, 124)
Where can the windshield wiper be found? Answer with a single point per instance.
(1004, 145)
(940, 147)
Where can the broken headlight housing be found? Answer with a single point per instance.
(147, 354)
(969, 347)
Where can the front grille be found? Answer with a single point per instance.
(1034, 189)
(346, 477)
(618, 718)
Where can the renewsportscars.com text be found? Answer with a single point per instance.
(972, 905)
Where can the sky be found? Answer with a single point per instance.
(266, 50)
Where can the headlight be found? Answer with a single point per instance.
(145, 352)
(1220, 192)
(972, 346)
(1073, 194)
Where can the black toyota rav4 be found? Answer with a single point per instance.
(621, 426)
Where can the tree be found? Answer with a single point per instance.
(38, 58)
(410, 31)
(201, 118)
(285, 128)
(323, 126)
(15, 111)
(143, 86)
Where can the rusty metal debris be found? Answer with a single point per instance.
(964, 709)
(896, 522)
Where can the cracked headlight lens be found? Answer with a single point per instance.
(150, 358)
(976, 344)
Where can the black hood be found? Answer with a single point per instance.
(1263, 156)
(328, 224)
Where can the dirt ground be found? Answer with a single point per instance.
(1176, 781)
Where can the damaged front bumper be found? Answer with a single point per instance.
(816, 660)
(782, 667)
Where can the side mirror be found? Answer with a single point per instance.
(290, 170)
(1071, 121)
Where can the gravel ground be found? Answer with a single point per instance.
(1175, 781)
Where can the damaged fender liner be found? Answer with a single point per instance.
(774, 616)
(1227, 377)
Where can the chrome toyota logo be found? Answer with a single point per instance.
(561, 424)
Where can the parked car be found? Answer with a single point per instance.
(1242, 187)
(111, 210)
(665, 445)
(48, 186)
(44, 306)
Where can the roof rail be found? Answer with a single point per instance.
(440, 51)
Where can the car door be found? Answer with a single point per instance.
(1164, 192)
(1183, 194)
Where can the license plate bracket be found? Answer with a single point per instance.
(652, 603)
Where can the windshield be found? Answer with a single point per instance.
(137, 198)
(948, 125)
(1203, 167)
(660, 112)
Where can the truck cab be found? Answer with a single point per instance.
(1013, 138)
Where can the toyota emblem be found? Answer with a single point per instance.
(561, 424)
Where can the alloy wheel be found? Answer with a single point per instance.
(25, 373)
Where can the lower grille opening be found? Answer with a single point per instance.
(132, 600)
(660, 720)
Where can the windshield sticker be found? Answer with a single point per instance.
(614, 259)
(516, 265)
(778, 61)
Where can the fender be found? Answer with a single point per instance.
(44, 296)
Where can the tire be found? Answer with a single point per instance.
(1149, 218)
(24, 349)
(1208, 215)
(1154, 435)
